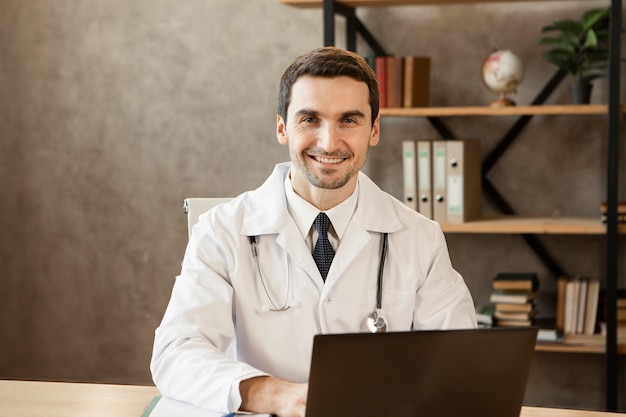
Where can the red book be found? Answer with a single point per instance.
(395, 81)
(381, 75)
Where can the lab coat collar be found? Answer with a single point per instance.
(266, 207)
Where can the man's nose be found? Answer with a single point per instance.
(329, 137)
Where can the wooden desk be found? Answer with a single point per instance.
(59, 399)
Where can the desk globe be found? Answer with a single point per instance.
(502, 72)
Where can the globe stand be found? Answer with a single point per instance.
(503, 101)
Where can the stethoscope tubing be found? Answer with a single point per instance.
(285, 306)
(381, 267)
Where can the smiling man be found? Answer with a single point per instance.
(266, 272)
(329, 129)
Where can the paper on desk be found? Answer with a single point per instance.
(167, 407)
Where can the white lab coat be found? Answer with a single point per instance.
(219, 293)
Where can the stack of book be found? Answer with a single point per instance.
(621, 211)
(513, 295)
(577, 305)
(403, 81)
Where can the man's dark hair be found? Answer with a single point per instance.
(328, 62)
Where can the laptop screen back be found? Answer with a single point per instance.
(451, 373)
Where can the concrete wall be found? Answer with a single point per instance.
(111, 112)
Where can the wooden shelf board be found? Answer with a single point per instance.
(559, 109)
(384, 3)
(531, 225)
(571, 348)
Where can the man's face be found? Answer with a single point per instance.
(328, 131)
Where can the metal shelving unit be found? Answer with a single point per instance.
(526, 228)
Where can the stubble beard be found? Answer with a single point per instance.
(321, 181)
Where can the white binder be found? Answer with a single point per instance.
(424, 177)
(463, 180)
(409, 173)
(439, 180)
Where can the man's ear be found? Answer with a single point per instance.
(281, 130)
(375, 134)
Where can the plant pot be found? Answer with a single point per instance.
(579, 93)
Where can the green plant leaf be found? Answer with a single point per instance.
(564, 26)
(579, 47)
(591, 40)
(592, 17)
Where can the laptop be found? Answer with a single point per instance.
(435, 373)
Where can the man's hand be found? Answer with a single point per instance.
(267, 394)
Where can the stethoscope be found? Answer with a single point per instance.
(376, 321)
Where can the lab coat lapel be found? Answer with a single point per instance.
(375, 210)
(266, 207)
(266, 213)
(367, 218)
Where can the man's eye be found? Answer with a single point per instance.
(349, 120)
(309, 119)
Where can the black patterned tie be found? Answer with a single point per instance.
(323, 253)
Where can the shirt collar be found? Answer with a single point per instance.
(304, 213)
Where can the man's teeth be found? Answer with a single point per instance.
(328, 160)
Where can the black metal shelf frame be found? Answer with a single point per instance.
(354, 26)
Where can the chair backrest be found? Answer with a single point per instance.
(194, 207)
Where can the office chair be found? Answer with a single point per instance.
(194, 207)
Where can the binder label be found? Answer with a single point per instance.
(455, 194)
(439, 175)
(424, 170)
(409, 174)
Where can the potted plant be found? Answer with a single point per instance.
(580, 47)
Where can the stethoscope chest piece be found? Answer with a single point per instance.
(376, 322)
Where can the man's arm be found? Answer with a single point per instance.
(268, 394)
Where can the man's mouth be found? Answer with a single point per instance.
(327, 160)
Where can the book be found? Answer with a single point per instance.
(621, 207)
(515, 308)
(580, 304)
(591, 307)
(572, 289)
(602, 307)
(524, 281)
(549, 335)
(592, 339)
(416, 90)
(560, 302)
(621, 211)
(511, 297)
(484, 315)
(514, 323)
(547, 330)
(621, 330)
(395, 80)
(621, 218)
(505, 315)
(380, 63)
